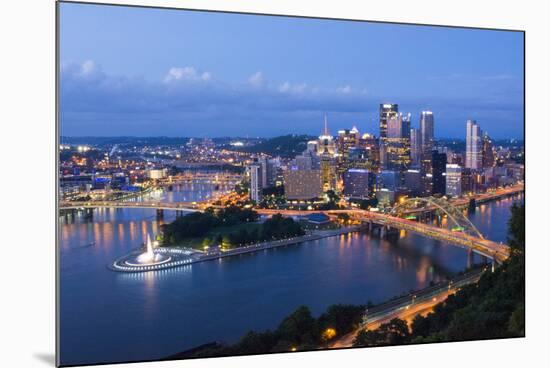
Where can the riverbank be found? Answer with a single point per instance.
(186, 256)
(409, 306)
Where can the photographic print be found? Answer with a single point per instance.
(236, 184)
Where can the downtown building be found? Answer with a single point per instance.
(397, 143)
(358, 183)
(426, 151)
(302, 184)
(474, 146)
(386, 112)
(255, 193)
(416, 147)
(453, 180)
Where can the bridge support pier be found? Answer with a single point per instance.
(160, 213)
(89, 213)
(472, 205)
(470, 262)
(438, 220)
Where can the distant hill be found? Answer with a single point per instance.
(284, 146)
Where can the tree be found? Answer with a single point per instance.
(298, 328)
(516, 228)
(368, 338)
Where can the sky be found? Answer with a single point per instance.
(127, 71)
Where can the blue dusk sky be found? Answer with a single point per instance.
(160, 72)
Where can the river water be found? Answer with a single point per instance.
(108, 316)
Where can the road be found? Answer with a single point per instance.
(406, 308)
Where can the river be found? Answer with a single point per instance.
(108, 316)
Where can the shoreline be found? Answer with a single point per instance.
(118, 265)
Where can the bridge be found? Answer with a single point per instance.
(478, 198)
(209, 178)
(466, 235)
(177, 206)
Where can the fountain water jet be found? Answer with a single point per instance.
(149, 257)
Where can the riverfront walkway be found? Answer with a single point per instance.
(197, 256)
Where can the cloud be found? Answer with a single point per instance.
(344, 89)
(186, 73)
(287, 87)
(256, 79)
(189, 101)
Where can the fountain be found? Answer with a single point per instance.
(154, 258)
(149, 257)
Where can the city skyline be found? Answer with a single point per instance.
(169, 80)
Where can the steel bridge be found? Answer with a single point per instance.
(468, 237)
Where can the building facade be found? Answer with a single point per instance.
(474, 156)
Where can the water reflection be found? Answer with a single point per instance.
(183, 307)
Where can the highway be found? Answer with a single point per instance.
(493, 250)
(407, 307)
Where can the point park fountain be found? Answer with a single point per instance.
(154, 258)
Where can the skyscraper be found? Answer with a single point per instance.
(474, 156)
(453, 180)
(427, 132)
(416, 146)
(439, 163)
(302, 184)
(326, 143)
(347, 139)
(358, 183)
(488, 154)
(426, 144)
(255, 182)
(398, 142)
(386, 111)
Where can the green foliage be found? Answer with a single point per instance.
(395, 332)
(516, 228)
(284, 146)
(299, 331)
(342, 317)
(198, 224)
(492, 308)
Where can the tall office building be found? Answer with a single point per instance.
(263, 162)
(427, 132)
(358, 157)
(255, 182)
(474, 156)
(426, 147)
(313, 146)
(303, 161)
(439, 163)
(371, 144)
(326, 143)
(302, 184)
(453, 180)
(358, 183)
(397, 142)
(488, 153)
(346, 140)
(416, 146)
(467, 180)
(388, 179)
(328, 172)
(413, 182)
(386, 111)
